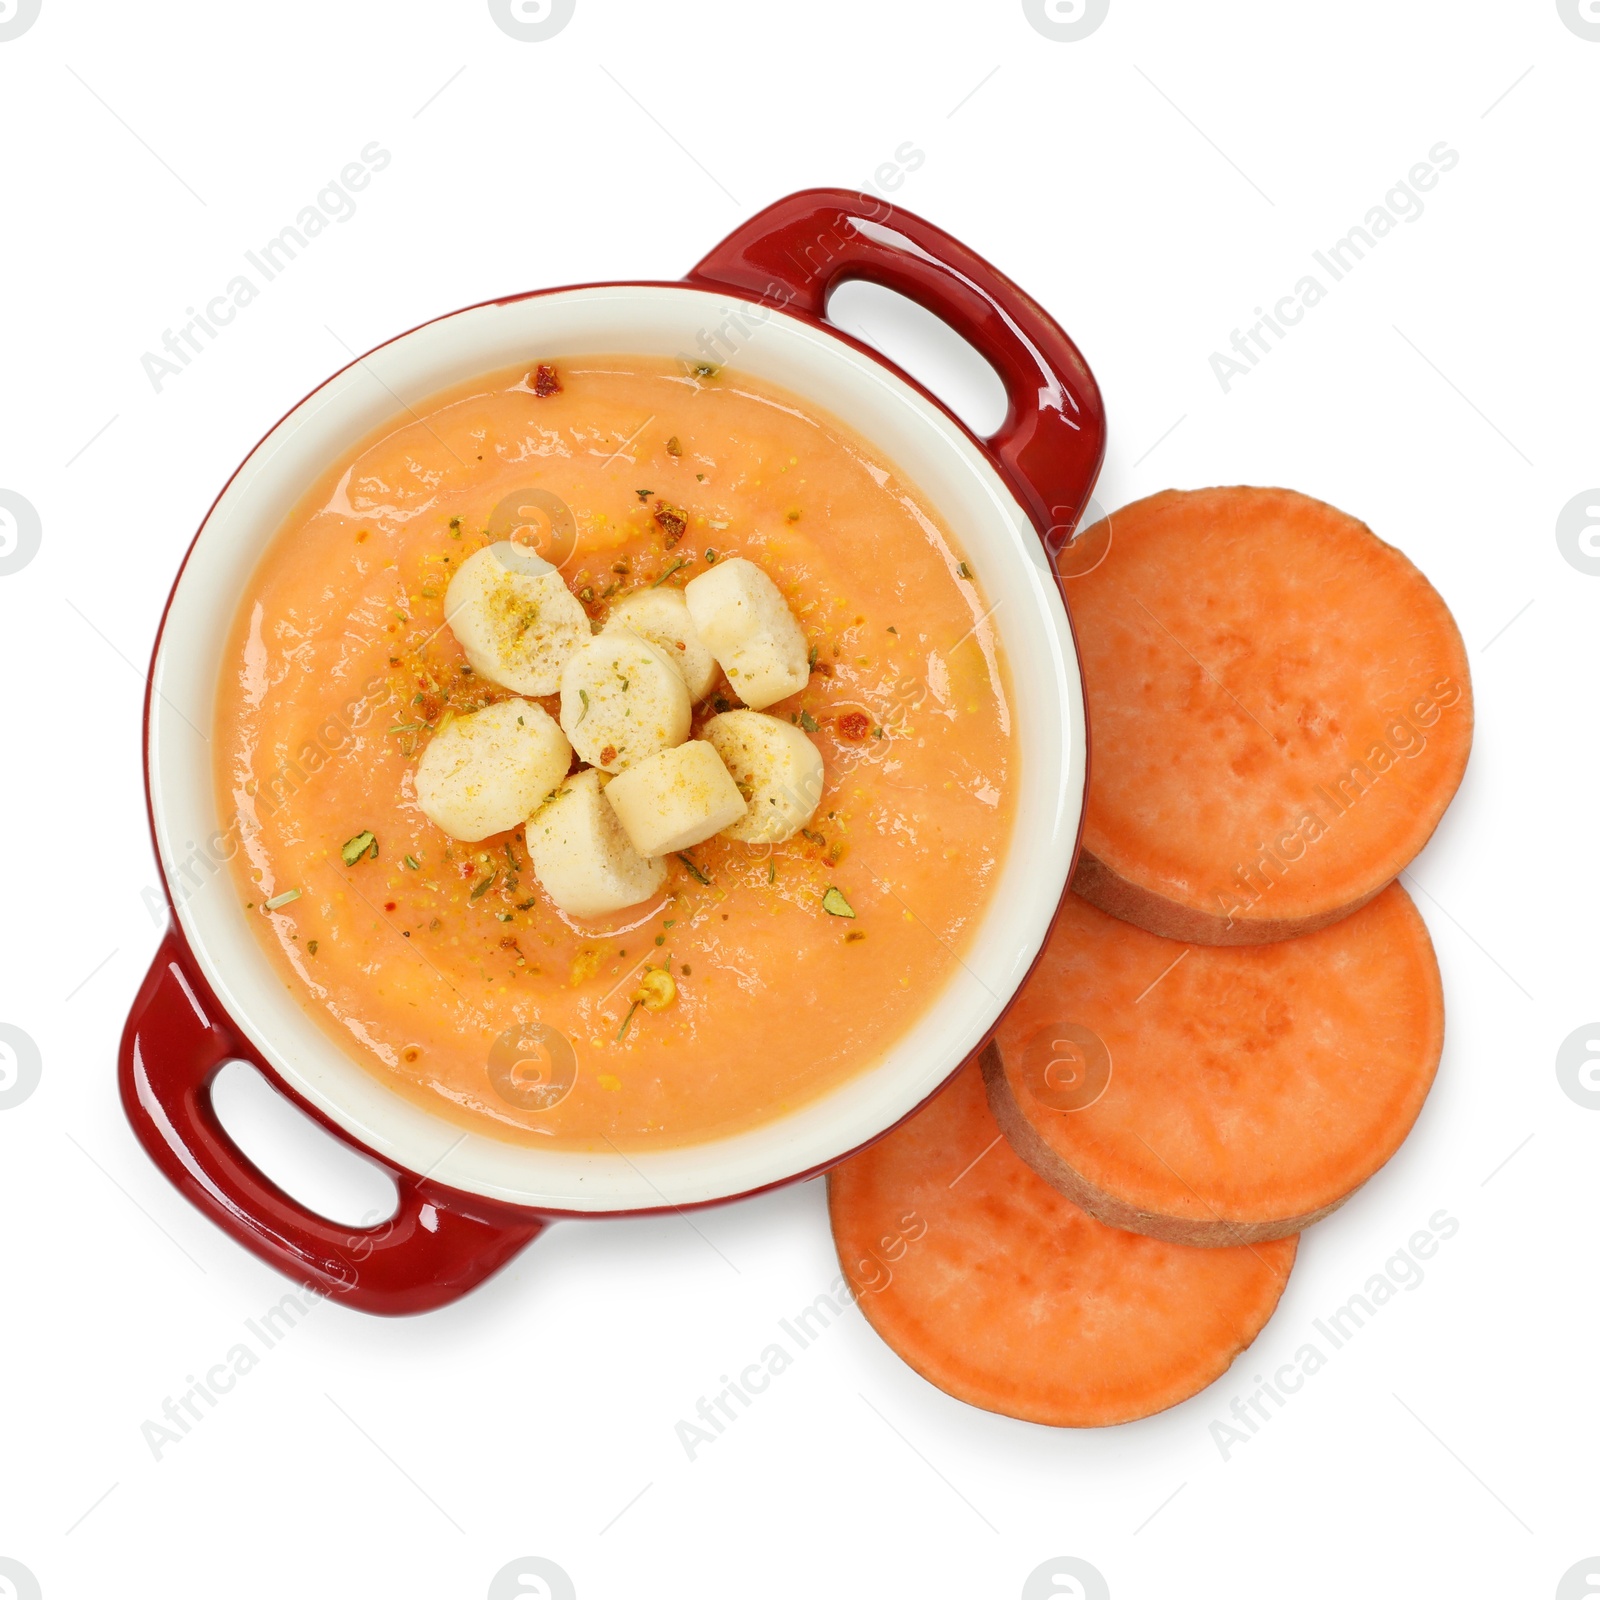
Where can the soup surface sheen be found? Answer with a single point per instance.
(441, 966)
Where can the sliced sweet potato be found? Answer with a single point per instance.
(998, 1289)
(1279, 713)
(1218, 1096)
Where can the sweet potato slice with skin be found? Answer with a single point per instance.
(1280, 711)
(1251, 1090)
(1003, 1293)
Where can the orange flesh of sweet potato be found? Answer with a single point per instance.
(1251, 1089)
(993, 1286)
(1279, 710)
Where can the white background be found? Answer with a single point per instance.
(1150, 185)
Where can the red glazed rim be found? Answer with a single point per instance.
(443, 1240)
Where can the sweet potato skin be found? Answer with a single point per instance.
(1202, 1233)
(1101, 887)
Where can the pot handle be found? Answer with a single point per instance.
(439, 1244)
(796, 252)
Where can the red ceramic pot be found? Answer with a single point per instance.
(468, 1202)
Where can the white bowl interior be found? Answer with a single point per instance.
(1028, 615)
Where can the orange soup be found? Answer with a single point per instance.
(758, 976)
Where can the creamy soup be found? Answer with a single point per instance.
(758, 976)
